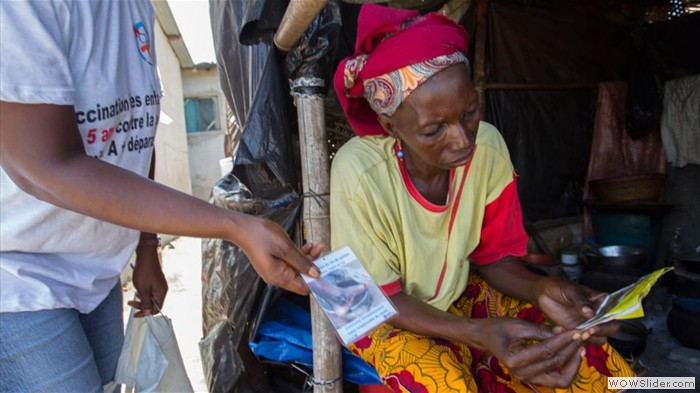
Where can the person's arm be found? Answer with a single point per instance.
(510, 277)
(148, 278)
(563, 301)
(531, 352)
(43, 154)
(503, 237)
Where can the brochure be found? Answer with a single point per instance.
(348, 295)
(625, 303)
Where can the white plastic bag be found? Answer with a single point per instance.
(150, 360)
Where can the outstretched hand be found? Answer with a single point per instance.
(149, 282)
(275, 257)
(568, 304)
(533, 352)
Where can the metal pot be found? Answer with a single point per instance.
(683, 282)
(625, 257)
(690, 261)
(631, 339)
(683, 321)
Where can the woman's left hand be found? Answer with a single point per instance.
(149, 282)
(568, 304)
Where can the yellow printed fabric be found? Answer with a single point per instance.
(408, 362)
(401, 240)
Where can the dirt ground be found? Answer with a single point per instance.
(182, 264)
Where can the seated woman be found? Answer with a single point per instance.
(425, 190)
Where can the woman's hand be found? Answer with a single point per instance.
(149, 282)
(568, 304)
(275, 257)
(532, 352)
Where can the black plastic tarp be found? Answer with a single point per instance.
(231, 290)
(548, 134)
(555, 42)
(262, 183)
(548, 128)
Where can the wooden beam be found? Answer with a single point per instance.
(295, 21)
(455, 9)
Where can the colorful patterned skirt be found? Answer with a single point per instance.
(409, 362)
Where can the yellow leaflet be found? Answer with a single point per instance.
(636, 314)
(634, 296)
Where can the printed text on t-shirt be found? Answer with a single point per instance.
(102, 135)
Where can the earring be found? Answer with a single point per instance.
(399, 150)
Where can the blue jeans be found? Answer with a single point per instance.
(61, 350)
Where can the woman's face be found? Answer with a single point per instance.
(437, 123)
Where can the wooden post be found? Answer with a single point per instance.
(315, 170)
(455, 9)
(480, 52)
(295, 21)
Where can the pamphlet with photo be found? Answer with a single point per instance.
(348, 295)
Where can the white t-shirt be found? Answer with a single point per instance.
(99, 57)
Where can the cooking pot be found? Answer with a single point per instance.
(683, 321)
(690, 261)
(683, 282)
(618, 256)
(631, 339)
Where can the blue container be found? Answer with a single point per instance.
(642, 229)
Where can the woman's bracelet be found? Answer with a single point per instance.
(149, 242)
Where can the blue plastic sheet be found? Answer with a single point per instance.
(285, 336)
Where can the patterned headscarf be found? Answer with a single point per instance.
(386, 92)
(396, 51)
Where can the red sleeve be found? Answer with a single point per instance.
(502, 232)
(392, 288)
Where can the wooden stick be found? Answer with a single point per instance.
(295, 21)
(455, 9)
(315, 168)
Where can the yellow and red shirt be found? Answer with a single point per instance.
(411, 245)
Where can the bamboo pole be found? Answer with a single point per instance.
(455, 9)
(316, 184)
(480, 51)
(295, 21)
(315, 168)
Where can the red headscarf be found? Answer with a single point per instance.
(389, 39)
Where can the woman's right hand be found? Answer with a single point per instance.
(532, 352)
